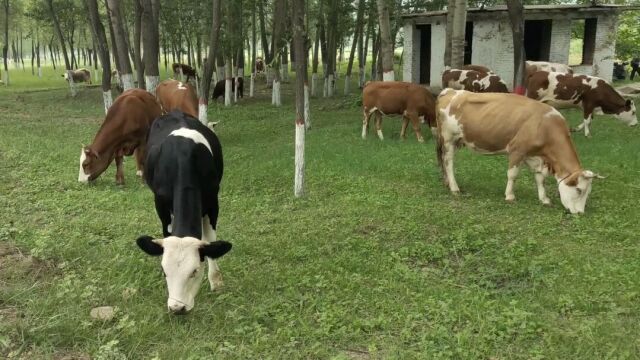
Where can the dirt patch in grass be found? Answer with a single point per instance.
(15, 263)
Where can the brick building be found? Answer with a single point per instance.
(489, 41)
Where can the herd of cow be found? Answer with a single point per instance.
(476, 110)
(181, 159)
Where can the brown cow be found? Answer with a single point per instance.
(472, 80)
(78, 75)
(123, 131)
(532, 67)
(411, 101)
(259, 65)
(588, 92)
(525, 130)
(187, 71)
(174, 94)
(479, 68)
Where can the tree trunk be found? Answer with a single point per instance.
(516, 16)
(263, 33)
(314, 64)
(363, 49)
(151, 43)
(100, 39)
(228, 75)
(121, 44)
(38, 64)
(386, 46)
(355, 44)
(332, 46)
(299, 36)
(137, 38)
(278, 34)
(375, 49)
(451, 9)
(457, 34)
(208, 66)
(253, 49)
(5, 47)
(58, 30)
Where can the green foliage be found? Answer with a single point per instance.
(628, 39)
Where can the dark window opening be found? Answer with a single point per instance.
(537, 39)
(468, 42)
(425, 53)
(583, 41)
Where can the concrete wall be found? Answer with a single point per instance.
(604, 54)
(438, 36)
(411, 61)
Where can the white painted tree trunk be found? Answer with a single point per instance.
(215, 78)
(5, 78)
(347, 80)
(108, 100)
(151, 83)
(298, 187)
(72, 86)
(314, 84)
(388, 76)
(330, 86)
(40, 72)
(270, 75)
(325, 87)
(95, 76)
(252, 84)
(307, 112)
(227, 92)
(275, 93)
(361, 77)
(127, 81)
(202, 113)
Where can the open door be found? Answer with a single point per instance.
(425, 53)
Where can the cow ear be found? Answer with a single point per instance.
(214, 250)
(150, 246)
(627, 103)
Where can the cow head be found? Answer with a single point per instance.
(91, 165)
(574, 190)
(183, 265)
(628, 115)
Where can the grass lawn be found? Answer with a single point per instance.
(378, 260)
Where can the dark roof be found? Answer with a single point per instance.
(534, 9)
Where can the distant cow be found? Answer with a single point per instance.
(184, 170)
(176, 95)
(525, 130)
(259, 65)
(123, 131)
(479, 68)
(78, 76)
(531, 67)
(187, 71)
(411, 101)
(218, 90)
(472, 80)
(588, 92)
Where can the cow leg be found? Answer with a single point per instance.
(209, 235)
(449, 152)
(405, 123)
(415, 122)
(378, 116)
(365, 123)
(512, 173)
(119, 170)
(588, 116)
(140, 154)
(539, 172)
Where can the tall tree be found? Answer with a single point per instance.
(5, 46)
(137, 38)
(58, 30)
(451, 9)
(332, 47)
(354, 44)
(151, 43)
(278, 45)
(516, 16)
(253, 48)
(300, 52)
(457, 34)
(122, 47)
(214, 32)
(386, 46)
(100, 37)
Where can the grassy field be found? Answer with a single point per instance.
(378, 260)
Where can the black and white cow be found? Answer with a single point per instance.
(184, 168)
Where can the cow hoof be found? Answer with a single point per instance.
(574, 129)
(546, 202)
(455, 193)
(510, 199)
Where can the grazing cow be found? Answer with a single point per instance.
(218, 90)
(78, 76)
(184, 169)
(531, 67)
(472, 80)
(259, 65)
(478, 68)
(123, 131)
(588, 92)
(525, 130)
(411, 101)
(187, 71)
(175, 95)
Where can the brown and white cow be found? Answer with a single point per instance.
(259, 65)
(531, 67)
(525, 130)
(78, 75)
(176, 95)
(473, 80)
(479, 68)
(411, 101)
(123, 131)
(588, 92)
(186, 70)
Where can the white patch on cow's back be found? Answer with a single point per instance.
(591, 81)
(197, 137)
(82, 176)
(552, 112)
(181, 86)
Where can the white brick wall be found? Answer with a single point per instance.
(411, 61)
(438, 35)
(560, 40)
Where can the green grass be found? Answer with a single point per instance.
(378, 260)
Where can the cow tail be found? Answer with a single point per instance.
(439, 142)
